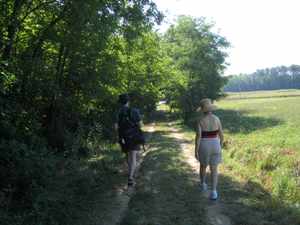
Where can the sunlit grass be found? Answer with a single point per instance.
(263, 94)
(268, 152)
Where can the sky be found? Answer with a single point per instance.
(262, 33)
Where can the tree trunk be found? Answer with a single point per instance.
(56, 126)
(12, 29)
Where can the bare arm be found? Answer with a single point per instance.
(197, 140)
(116, 127)
(221, 135)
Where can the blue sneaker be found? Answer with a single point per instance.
(213, 195)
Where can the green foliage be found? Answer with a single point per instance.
(25, 172)
(139, 67)
(63, 64)
(199, 55)
(58, 57)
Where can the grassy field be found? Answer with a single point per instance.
(260, 176)
(263, 144)
(263, 94)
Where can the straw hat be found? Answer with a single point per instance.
(206, 105)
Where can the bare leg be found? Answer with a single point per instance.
(131, 159)
(203, 173)
(214, 177)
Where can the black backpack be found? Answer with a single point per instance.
(129, 130)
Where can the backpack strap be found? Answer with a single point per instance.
(126, 113)
(130, 116)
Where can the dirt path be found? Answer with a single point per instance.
(123, 193)
(166, 190)
(213, 209)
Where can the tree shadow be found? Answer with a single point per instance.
(240, 122)
(234, 121)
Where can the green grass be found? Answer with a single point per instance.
(263, 94)
(260, 176)
(263, 144)
(259, 183)
(79, 195)
(246, 196)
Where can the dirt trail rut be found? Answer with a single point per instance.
(213, 209)
(123, 196)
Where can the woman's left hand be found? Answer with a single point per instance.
(196, 155)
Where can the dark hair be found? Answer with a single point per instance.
(123, 99)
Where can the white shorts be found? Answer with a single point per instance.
(210, 151)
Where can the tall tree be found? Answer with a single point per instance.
(199, 54)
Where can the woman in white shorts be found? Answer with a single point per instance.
(209, 139)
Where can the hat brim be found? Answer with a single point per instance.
(208, 108)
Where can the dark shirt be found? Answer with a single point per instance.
(135, 115)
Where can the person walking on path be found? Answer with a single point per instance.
(209, 139)
(128, 123)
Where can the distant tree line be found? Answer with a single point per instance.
(63, 64)
(281, 77)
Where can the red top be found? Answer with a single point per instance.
(209, 134)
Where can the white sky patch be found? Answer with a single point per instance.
(263, 33)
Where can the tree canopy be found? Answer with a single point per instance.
(199, 56)
(63, 64)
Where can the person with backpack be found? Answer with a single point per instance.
(131, 138)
